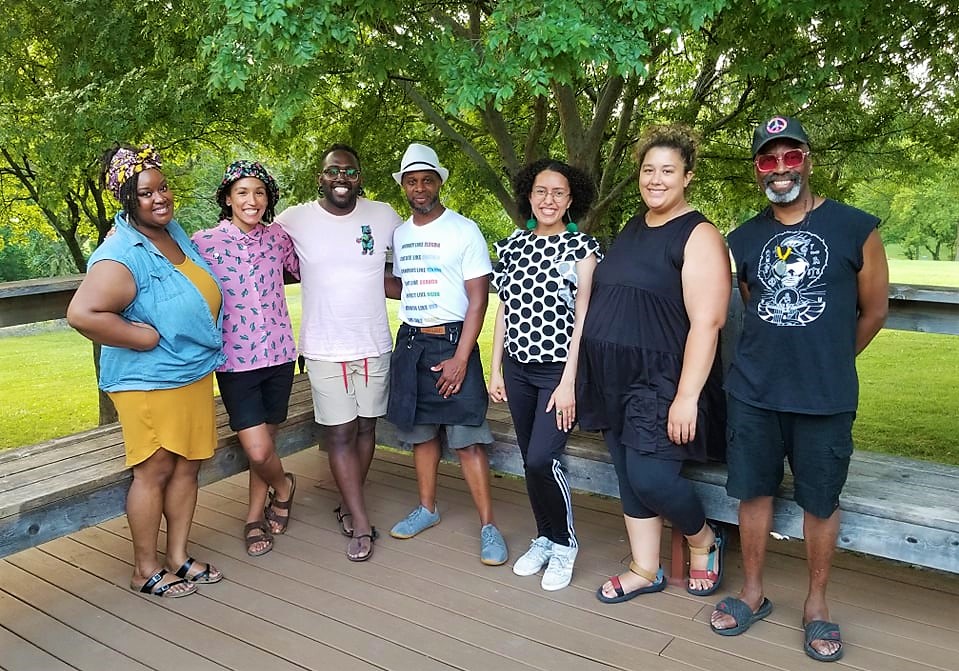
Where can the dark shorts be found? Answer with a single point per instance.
(457, 437)
(818, 448)
(254, 397)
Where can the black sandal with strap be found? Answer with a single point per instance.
(154, 588)
(373, 535)
(340, 516)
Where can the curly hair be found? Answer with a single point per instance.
(680, 137)
(580, 187)
(128, 190)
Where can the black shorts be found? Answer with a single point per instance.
(254, 397)
(818, 448)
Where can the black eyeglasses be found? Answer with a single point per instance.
(352, 174)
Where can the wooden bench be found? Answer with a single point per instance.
(64, 485)
(896, 508)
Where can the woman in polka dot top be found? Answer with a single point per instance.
(543, 279)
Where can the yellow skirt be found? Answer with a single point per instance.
(181, 420)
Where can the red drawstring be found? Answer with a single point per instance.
(366, 374)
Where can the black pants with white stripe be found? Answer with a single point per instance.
(528, 388)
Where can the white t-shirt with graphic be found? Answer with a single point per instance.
(342, 264)
(434, 261)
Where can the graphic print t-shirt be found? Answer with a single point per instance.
(434, 261)
(342, 265)
(797, 352)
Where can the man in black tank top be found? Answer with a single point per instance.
(814, 279)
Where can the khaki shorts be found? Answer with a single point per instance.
(344, 391)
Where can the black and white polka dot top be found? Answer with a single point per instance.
(536, 281)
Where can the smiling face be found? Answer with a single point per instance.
(663, 180)
(784, 185)
(549, 199)
(339, 190)
(248, 200)
(154, 200)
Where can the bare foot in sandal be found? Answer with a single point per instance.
(634, 582)
(706, 560)
(258, 537)
(360, 547)
(162, 584)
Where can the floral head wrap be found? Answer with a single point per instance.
(128, 162)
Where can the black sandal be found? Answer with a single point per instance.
(154, 588)
(373, 535)
(340, 516)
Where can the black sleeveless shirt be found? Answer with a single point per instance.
(797, 352)
(634, 339)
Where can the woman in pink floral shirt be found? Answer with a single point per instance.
(248, 255)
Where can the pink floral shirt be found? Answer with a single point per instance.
(249, 266)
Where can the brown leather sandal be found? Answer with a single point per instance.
(281, 522)
(265, 536)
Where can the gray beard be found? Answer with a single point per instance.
(426, 209)
(786, 197)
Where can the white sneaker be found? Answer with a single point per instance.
(535, 558)
(560, 569)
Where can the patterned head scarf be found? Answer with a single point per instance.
(240, 169)
(129, 162)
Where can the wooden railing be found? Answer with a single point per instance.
(911, 307)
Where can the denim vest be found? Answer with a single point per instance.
(191, 344)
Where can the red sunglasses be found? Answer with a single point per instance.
(792, 159)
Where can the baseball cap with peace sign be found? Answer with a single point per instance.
(776, 128)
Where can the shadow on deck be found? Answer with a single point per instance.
(428, 603)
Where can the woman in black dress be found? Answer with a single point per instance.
(648, 365)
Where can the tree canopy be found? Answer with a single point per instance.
(490, 84)
(507, 82)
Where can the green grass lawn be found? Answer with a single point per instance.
(930, 273)
(908, 406)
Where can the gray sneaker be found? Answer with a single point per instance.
(419, 520)
(493, 552)
(560, 569)
(534, 559)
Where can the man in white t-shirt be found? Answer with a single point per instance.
(341, 240)
(442, 262)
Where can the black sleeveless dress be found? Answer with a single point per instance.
(633, 341)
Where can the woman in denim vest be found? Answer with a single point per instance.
(151, 301)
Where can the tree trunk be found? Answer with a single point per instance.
(108, 413)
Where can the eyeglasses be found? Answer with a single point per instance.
(352, 174)
(792, 159)
(540, 193)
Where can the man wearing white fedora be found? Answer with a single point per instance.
(437, 386)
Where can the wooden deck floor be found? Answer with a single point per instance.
(428, 603)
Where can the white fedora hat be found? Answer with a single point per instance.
(420, 157)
